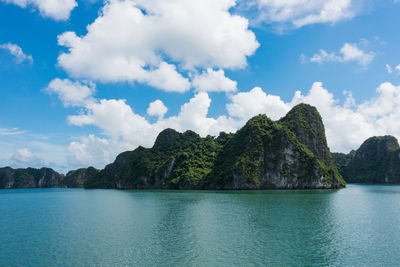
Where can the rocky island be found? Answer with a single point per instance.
(291, 153)
(376, 161)
(43, 178)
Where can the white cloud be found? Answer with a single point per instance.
(248, 104)
(54, 9)
(348, 52)
(36, 150)
(12, 131)
(157, 108)
(25, 158)
(298, 13)
(213, 81)
(389, 69)
(89, 151)
(166, 78)
(324, 56)
(134, 40)
(72, 93)
(347, 124)
(17, 52)
(351, 52)
(125, 130)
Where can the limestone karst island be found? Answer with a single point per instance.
(290, 153)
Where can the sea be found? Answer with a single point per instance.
(355, 226)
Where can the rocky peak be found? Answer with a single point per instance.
(376, 161)
(306, 123)
(378, 147)
(166, 138)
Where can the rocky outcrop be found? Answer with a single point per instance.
(77, 178)
(291, 153)
(306, 123)
(43, 178)
(29, 178)
(376, 161)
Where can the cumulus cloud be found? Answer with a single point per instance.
(24, 157)
(351, 52)
(54, 9)
(155, 41)
(299, 13)
(348, 52)
(347, 123)
(90, 151)
(72, 93)
(17, 52)
(157, 108)
(126, 130)
(245, 105)
(213, 81)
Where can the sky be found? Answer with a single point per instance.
(84, 80)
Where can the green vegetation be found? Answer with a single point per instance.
(175, 161)
(306, 123)
(376, 161)
(78, 178)
(43, 178)
(29, 178)
(290, 153)
(341, 160)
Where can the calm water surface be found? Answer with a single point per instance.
(356, 226)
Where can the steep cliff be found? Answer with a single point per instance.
(43, 178)
(29, 178)
(376, 161)
(290, 153)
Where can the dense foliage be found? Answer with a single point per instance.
(376, 161)
(341, 160)
(29, 178)
(306, 123)
(176, 161)
(43, 178)
(289, 153)
(263, 154)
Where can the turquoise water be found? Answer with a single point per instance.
(356, 226)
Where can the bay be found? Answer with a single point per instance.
(355, 226)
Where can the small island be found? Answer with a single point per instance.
(377, 161)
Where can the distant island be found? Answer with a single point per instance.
(290, 153)
(376, 161)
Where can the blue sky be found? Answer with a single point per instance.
(77, 77)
